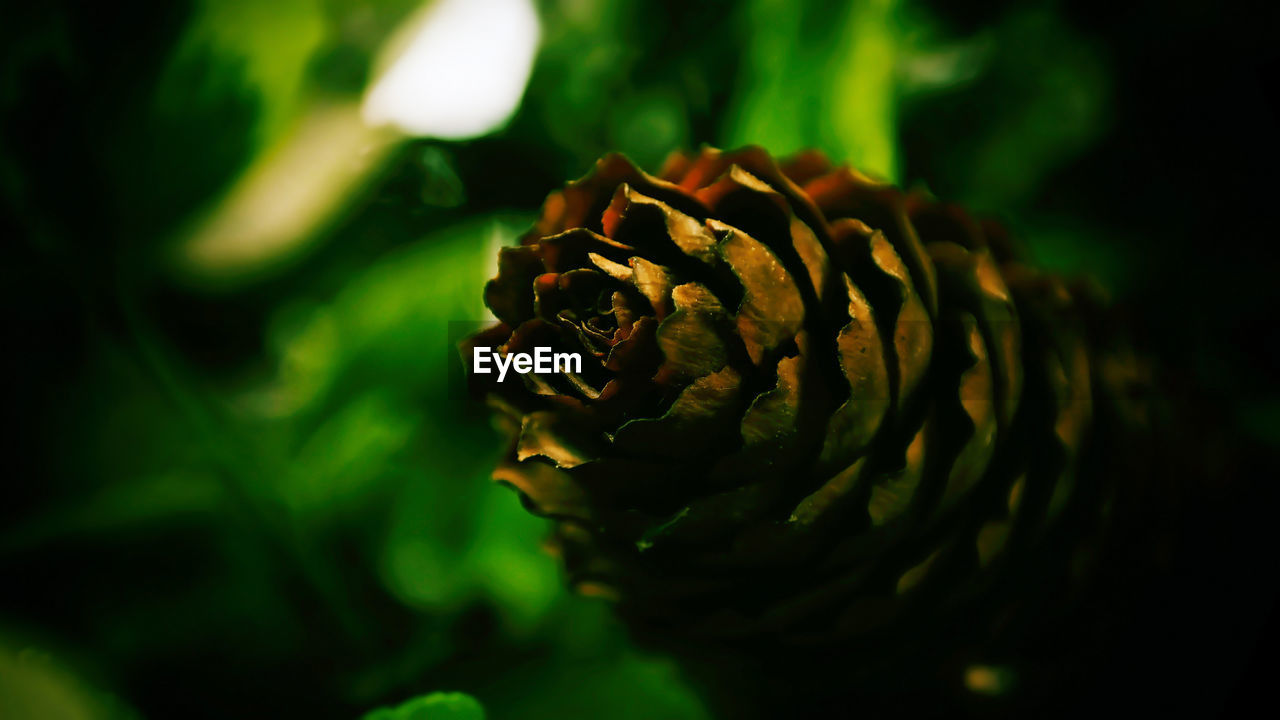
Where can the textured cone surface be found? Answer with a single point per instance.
(814, 408)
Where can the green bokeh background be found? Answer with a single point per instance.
(257, 491)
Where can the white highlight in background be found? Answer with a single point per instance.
(460, 72)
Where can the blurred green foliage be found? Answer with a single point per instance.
(267, 497)
(840, 64)
(436, 706)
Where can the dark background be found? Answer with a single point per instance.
(247, 490)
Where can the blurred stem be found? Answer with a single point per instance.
(282, 203)
(864, 112)
(792, 96)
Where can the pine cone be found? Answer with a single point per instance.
(814, 410)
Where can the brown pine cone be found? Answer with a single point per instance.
(815, 410)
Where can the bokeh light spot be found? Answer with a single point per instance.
(462, 71)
